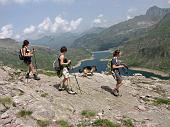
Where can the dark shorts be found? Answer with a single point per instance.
(27, 60)
(117, 76)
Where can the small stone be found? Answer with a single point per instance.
(168, 107)
(4, 115)
(142, 97)
(141, 101)
(141, 107)
(6, 121)
(3, 82)
(2, 108)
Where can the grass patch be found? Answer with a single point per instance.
(159, 101)
(42, 123)
(81, 125)
(6, 101)
(44, 94)
(88, 113)
(127, 122)
(62, 123)
(105, 123)
(24, 113)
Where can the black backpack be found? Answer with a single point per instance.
(21, 57)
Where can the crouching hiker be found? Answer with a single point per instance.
(64, 65)
(116, 65)
(26, 56)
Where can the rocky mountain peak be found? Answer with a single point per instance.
(157, 12)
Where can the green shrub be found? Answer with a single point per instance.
(127, 122)
(44, 94)
(88, 113)
(5, 100)
(63, 123)
(24, 113)
(42, 123)
(105, 123)
(159, 101)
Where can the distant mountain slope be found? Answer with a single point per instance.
(122, 32)
(64, 39)
(56, 41)
(152, 50)
(94, 30)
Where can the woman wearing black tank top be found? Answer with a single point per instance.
(27, 54)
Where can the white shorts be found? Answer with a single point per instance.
(66, 73)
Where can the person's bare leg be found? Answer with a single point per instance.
(32, 68)
(119, 83)
(64, 80)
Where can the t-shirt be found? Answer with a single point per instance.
(116, 62)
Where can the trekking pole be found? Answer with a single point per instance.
(35, 62)
(77, 81)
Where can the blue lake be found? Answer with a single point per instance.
(102, 65)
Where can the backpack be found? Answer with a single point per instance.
(109, 66)
(21, 57)
(57, 67)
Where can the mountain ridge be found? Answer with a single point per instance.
(152, 50)
(122, 32)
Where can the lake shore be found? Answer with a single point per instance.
(79, 63)
(150, 70)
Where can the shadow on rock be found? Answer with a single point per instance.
(107, 88)
(56, 86)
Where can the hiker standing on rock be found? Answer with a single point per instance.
(116, 65)
(64, 63)
(27, 58)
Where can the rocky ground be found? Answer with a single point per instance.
(144, 102)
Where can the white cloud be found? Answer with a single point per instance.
(131, 13)
(59, 25)
(29, 30)
(45, 25)
(37, 1)
(99, 21)
(129, 17)
(17, 37)
(6, 31)
(75, 24)
(168, 1)
(131, 10)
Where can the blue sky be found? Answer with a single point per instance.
(32, 18)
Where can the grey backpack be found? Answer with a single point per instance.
(57, 67)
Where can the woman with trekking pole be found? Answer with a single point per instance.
(27, 58)
(64, 64)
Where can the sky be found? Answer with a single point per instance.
(30, 19)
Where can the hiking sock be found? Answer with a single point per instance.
(62, 87)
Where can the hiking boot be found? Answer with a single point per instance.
(70, 91)
(36, 77)
(27, 76)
